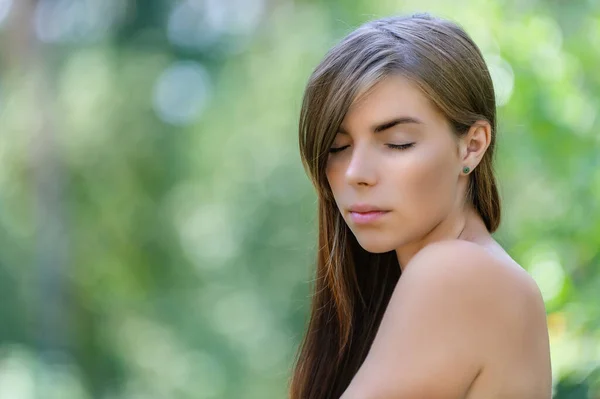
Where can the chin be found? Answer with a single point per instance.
(374, 244)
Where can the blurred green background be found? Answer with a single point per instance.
(157, 230)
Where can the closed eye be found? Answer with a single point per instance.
(393, 146)
(334, 150)
(400, 146)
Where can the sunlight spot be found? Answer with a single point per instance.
(201, 23)
(503, 77)
(72, 21)
(5, 6)
(182, 92)
(16, 373)
(578, 113)
(270, 353)
(545, 268)
(208, 235)
(240, 316)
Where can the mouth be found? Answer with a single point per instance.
(365, 208)
(367, 217)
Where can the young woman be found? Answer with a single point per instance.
(413, 298)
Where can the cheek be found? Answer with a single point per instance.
(334, 177)
(331, 176)
(335, 169)
(431, 180)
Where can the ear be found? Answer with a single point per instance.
(473, 145)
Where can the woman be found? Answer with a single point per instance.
(413, 298)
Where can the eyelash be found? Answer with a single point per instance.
(393, 146)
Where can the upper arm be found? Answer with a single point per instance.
(430, 340)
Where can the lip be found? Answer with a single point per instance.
(364, 208)
(366, 217)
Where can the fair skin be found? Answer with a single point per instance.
(465, 320)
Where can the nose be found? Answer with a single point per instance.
(361, 170)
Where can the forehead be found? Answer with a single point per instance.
(393, 96)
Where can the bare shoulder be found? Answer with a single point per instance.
(450, 302)
(493, 287)
(494, 294)
(461, 253)
(469, 265)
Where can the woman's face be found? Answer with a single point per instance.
(418, 185)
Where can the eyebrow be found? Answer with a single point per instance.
(389, 124)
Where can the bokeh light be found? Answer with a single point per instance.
(181, 92)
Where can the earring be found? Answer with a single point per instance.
(466, 170)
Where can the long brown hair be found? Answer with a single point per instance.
(352, 286)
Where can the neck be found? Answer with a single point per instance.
(464, 223)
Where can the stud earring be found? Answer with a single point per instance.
(466, 169)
